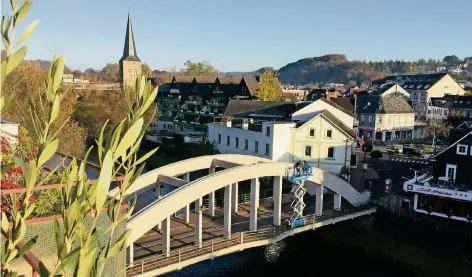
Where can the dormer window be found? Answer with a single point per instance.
(462, 149)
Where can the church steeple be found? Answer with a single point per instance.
(129, 50)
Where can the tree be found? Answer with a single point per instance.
(367, 147)
(269, 88)
(77, 73)
(451, 60)
(200, 69)
(352, 83)
(376, 154)
(27, 95)
(111, 72)
(146, 71)
(82, 246)
(436, 129)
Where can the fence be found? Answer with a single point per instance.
(211, 246)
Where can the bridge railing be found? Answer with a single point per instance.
(193, 251)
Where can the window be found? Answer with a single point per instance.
(267, 148)
(362, 118)
(237, 142)
(331, 153)
(129, 72)
(379, 119)
(256, 146)
(228, 140)
(329, 133)
(308, 151)
(312, 133)
(461, 149)
(268, 131)
(451, 172)
(219, 138)
(370, 119)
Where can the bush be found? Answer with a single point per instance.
(376, 154)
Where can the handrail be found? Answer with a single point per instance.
(210, 246)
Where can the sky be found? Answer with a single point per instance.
(245, 35)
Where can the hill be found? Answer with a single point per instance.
(46, 64)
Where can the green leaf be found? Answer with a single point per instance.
(48, 152)
(100, 142)
(86, 263)
(30, 210)
(119, 245)
(12, 255)
(27, 246)
(67, 262)
(28, 32)
(22, 12)
(55, 108)
(104, 180)
(129, 138)
(43, 271)
(58, 73)
(16, 58)
(5, 167)
(146, 156)
(4, 223)
(13, 4)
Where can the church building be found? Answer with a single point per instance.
(130, 64)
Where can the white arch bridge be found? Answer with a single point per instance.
(189, 224)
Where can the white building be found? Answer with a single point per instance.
(320, 133)
(10, 130)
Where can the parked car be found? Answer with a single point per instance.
(412, 151)
(395, 149)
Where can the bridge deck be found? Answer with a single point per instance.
(148, 249)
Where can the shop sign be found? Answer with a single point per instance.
(441, 192)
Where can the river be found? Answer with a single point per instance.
(365, 247)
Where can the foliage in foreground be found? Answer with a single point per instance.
(80, 246)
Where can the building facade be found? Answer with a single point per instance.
(422, 87)
(385, 118)
(190, 103)
(130, 64)
(314, 134)
(447, 190)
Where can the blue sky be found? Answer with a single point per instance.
(249, 34)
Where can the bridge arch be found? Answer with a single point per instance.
(252, 168)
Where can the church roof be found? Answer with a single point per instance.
(129, 50)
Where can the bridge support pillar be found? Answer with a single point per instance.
(337, 202)
(187, 208)
(211, 204)
(166, 237)
(277, 199)
(130, 254)
(198, 222)
(234, 195)
(227, 212)
(319, 189)
(211, 196)
(157, 192)
(254, 204)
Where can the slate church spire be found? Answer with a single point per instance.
(129, 50)
(130, 64)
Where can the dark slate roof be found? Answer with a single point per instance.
(412, 81)
(316, 94)
(335, 105)
(251, 84)
(164, 87)
(242, 108)
(346, 102)
(333, 119)
(461, 102)
(129, 50)
(383, 105)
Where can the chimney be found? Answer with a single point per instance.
(227, 122)
(245, 124)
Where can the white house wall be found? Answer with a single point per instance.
(320, 144)
(314, 108)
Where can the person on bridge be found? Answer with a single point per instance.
(306, 168)
(298, 168)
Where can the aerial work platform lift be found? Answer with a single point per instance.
(297, 175)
